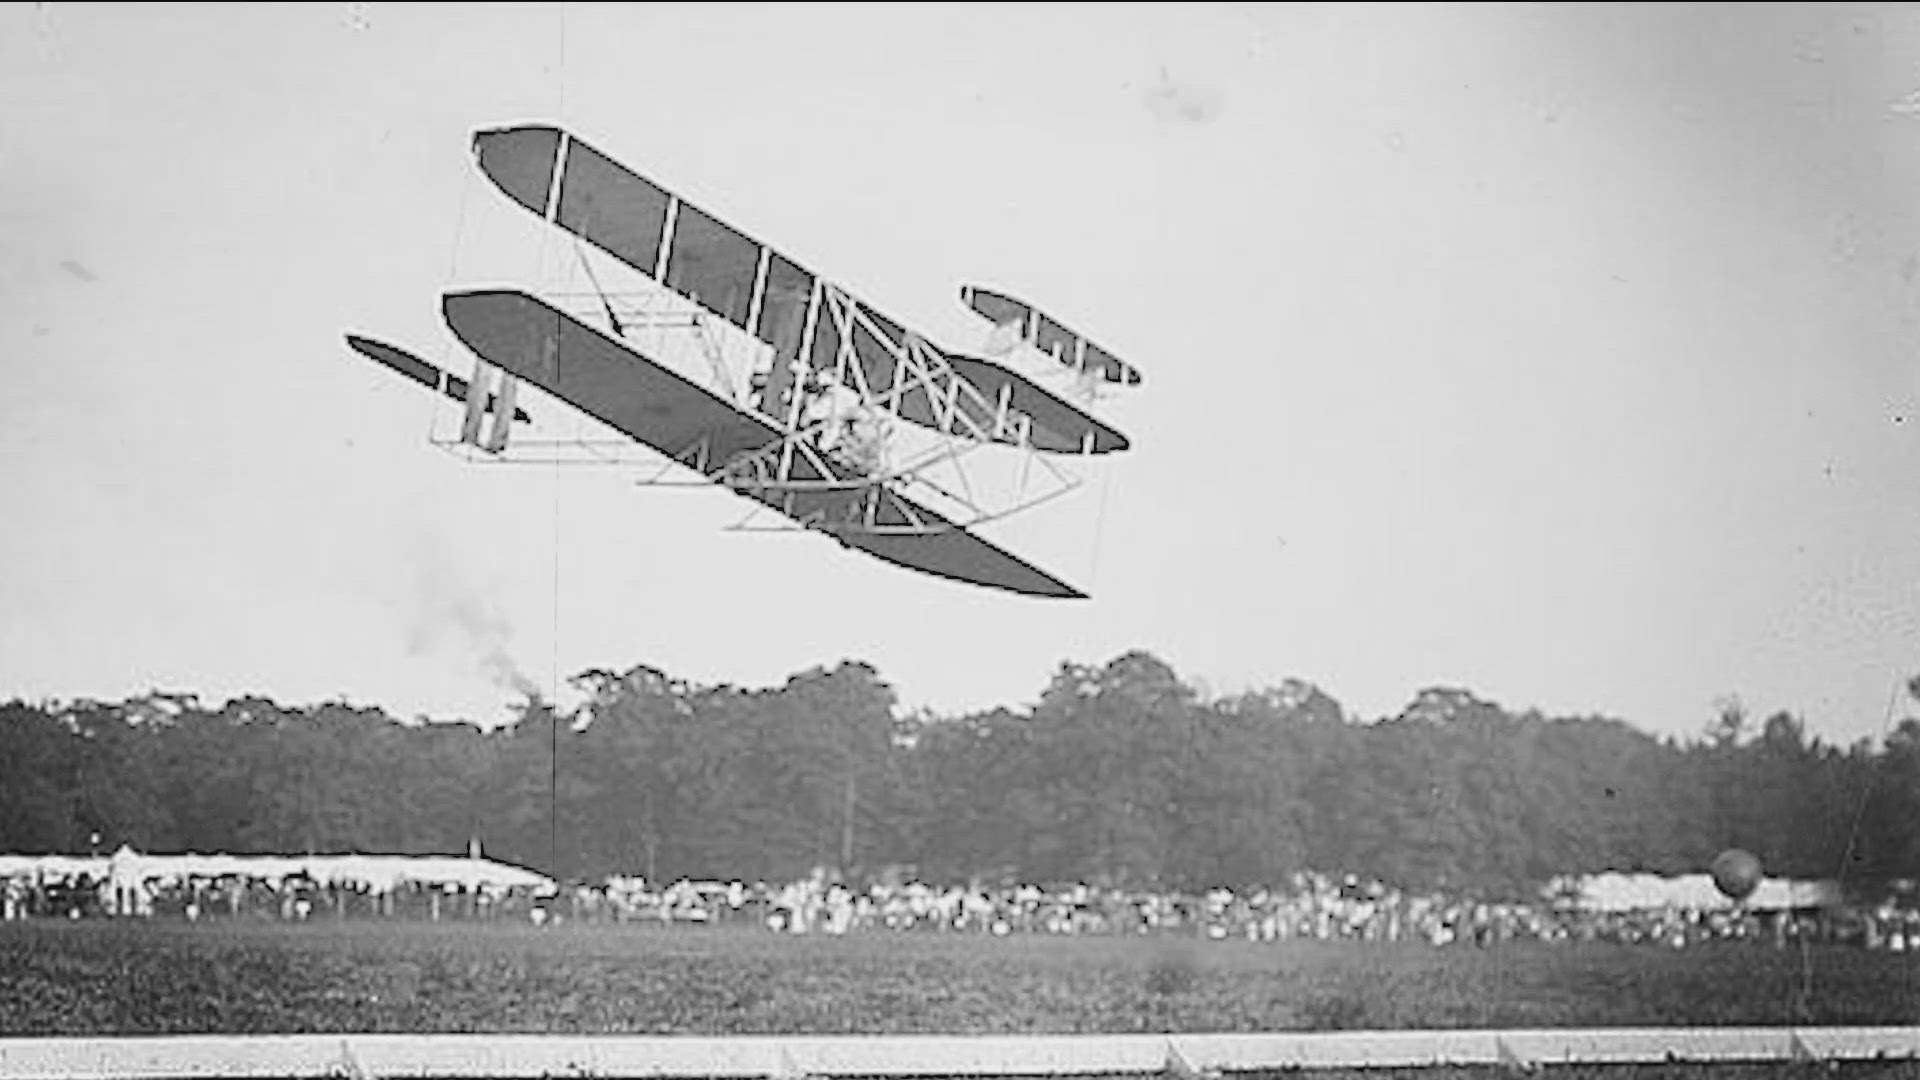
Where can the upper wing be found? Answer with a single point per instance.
(615, 384)
(564, 180)
(1058, 425)
(764, 293)
(1042, 332)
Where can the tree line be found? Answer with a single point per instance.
(1121, 774)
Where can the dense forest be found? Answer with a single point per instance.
(1121, 774)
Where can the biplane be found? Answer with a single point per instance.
(810, 402)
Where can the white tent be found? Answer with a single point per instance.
(1617, 892)
(376, 873)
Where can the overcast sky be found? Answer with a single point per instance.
(1563, 353)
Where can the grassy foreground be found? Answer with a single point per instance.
(98, 978)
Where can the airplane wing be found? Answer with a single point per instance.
(397, 359)
(615, 384)
(1040, 330)
(1058, 425)
(764, 293)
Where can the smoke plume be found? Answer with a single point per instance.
(462, 619)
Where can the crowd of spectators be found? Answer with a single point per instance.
(1309, 907)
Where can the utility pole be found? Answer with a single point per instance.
(553, 791)
(846, 828)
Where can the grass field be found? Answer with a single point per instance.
(93, 978)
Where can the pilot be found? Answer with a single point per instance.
(864, 441)
(826, 409)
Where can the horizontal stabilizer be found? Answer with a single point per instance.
(397, 359)
(1043, 332)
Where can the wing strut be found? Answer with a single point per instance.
(606, 305)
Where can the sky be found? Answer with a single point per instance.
(1564, 353)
